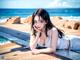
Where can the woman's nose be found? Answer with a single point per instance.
(38, 24)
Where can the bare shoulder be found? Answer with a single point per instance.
(53, 30)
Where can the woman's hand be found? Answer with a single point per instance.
(37, 29)
(35, 51)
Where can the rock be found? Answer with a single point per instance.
(69, 27)
(28, 20)
(58, 22)
(13, 20)
(72, 25)
(77, 25)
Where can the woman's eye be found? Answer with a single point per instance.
(35, 21)
(41, 21)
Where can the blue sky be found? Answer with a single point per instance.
(39, 3)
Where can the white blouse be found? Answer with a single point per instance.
(62, 43)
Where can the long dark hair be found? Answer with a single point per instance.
(44, 14)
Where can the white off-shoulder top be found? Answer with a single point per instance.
(62, 43)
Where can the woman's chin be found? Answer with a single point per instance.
(39, 29)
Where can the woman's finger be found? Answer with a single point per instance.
(36, 28)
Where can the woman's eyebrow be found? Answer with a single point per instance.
(36, 20)
(41, 20)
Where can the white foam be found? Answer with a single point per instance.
(3, 20)
(23, 18)
(75, 18)
(5, 43)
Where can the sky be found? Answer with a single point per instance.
(39, 3)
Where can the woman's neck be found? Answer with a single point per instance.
(43, 30)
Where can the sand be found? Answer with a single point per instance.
(7, 47)
(18, 55)
(19, 27)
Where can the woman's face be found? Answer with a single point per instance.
(39, 23)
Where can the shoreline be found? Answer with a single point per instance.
(5, 43)
(69, 18)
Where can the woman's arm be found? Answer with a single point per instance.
(54, 37)
(33, 41)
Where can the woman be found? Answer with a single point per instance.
(45, 34)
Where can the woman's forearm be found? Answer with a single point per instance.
(47, 50)
(34, 42)
(41, 51)
(33, 45)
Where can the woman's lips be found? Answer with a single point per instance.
(37, 27)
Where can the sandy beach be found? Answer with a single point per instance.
(7, 47)
(28, 56)
(19, 27)
(25, 26)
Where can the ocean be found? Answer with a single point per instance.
(23, 13)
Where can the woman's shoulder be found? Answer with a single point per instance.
(53, 30)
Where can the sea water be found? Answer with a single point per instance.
(70, 13)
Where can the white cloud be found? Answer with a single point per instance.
(58, 4)
(23, 3)
(39, 4)
(66, 4)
